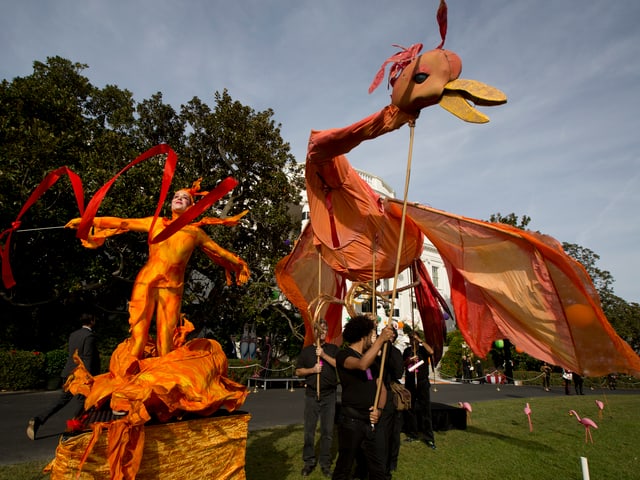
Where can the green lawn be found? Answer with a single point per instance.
(496, 445)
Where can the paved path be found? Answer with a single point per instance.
(268, 408)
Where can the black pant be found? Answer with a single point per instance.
(418, 419)
(356, 437)
(392, 424)
(577, 384)
(60, 403)
(314, 410)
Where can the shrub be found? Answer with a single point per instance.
(451, 362)
(55, 360)
(21, 370)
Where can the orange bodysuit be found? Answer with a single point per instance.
(159, 284)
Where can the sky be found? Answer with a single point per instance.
(564, 150)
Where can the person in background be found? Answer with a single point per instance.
(84, 342)
(359, 412)
(546, 376)
(320, 405)
(480, 371)
(567, 376)
(391, 420)
(578, 383)
(418, 421)
(466, 369)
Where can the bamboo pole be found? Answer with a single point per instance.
(398, 256)
(316, 330)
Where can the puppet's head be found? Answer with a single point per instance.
(420, 81)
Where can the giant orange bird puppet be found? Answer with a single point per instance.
(505, 282)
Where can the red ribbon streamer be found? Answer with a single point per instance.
(48, 182)
(169, 168)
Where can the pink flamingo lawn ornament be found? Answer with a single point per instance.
(527, 411)
(600, 405)
(468, 408)
(587, 422)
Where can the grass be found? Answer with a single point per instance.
(496, 444)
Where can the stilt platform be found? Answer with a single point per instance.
(210, 447)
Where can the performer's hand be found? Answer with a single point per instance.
(243, 275)
(374, 415)
(387, 333)
(318, 367)
(73, 223)
(319, 351)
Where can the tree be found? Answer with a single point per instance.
(602, 279)
(55, 117)
(511, 219)
(48, 120)
(232, 139)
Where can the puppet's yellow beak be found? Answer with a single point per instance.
(458, 93)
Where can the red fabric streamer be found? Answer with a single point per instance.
(169, 168)
(48, 182)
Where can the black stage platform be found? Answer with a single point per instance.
(445, 417)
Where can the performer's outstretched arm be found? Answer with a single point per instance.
(229, 261)
(124, 224)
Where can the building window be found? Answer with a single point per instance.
(434, 276)
(365, 307)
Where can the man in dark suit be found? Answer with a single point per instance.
(83, 341)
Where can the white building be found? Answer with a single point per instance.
(405, 310)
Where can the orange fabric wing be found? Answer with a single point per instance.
(520, 285)
(301, 277)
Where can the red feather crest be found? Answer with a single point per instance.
(400, 60)
(406, 55)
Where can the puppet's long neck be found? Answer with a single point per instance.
(326, 144)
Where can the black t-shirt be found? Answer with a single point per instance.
(394, 366)
(358, 386)
(328, 377)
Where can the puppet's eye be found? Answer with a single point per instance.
(420, 77)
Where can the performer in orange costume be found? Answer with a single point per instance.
(159, 285)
